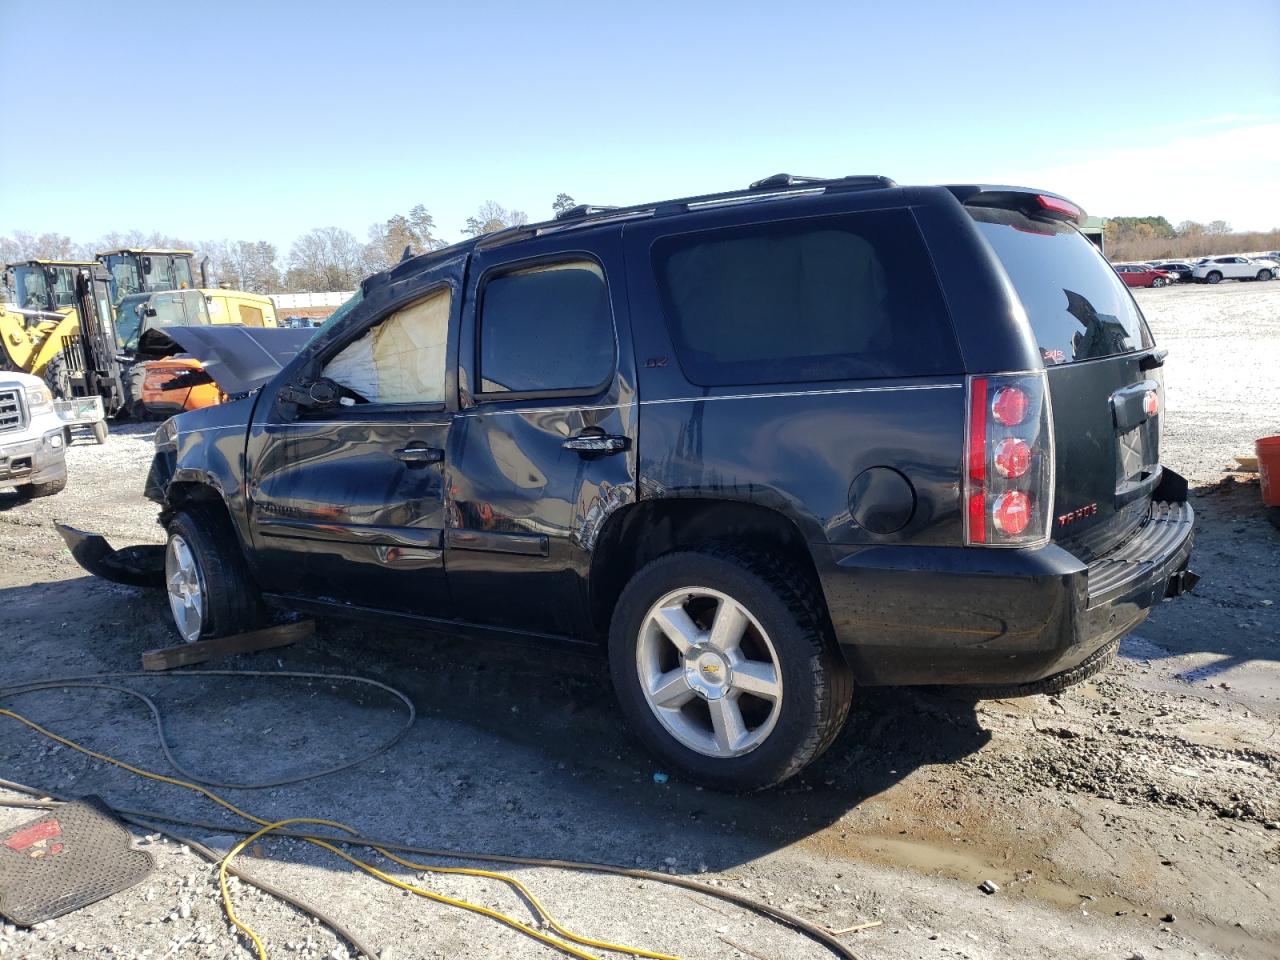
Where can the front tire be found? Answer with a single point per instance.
(34, 491)
(99, 432)
(1158, 282)
(1264, 274)
(207, 580)
(1213, 277)
(725, 669)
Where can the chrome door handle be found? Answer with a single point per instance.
(597, 443)
(420, 454)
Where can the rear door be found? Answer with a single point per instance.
(1102, 371)
(543, 446)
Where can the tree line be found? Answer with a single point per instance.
(1149, 238)
(321, 260)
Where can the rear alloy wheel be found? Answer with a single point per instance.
(725, 669)
(1264, 274)
(207, 580)
(717, 690)
(1213, 277)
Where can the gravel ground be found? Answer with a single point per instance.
(1132, 816)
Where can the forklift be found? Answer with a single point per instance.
(91, 377)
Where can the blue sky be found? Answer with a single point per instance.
(262, 120)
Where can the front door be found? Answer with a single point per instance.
(346, 499)
(543, 445)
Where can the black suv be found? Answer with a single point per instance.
(764, 444)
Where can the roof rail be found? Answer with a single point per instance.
(780, 181)
(583, 210)
(779, 187)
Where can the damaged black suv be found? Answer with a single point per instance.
(761, 444)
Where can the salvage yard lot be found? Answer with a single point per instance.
(1153, 792)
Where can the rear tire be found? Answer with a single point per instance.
(33, 491)
(206, 577)
(781, 693)
(1213, 277)
(1264, 274)
(100, 432)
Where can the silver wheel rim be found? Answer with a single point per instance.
(186, 588)
(709, 672)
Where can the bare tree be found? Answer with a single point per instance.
(1218, 228)
(492, 217)
(325, 259)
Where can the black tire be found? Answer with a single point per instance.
(817, 684)
(1158, 282)
(1090, 667)
(1213, 277)
(231, 600)
(133, 408)
(99, 428)
(33, 491)
(58, 377)
(1264, 275)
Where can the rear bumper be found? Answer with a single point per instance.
(965, 615)
(34, 459)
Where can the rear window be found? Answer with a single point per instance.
(832, 298)
(1079, 309)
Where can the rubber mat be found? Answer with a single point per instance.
(69, 858)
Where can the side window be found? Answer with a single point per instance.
(546, 328)
(169, 311)
(835, 298)
(250, 316)
(403, 358)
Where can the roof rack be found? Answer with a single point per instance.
(582, 210)
(780, 186)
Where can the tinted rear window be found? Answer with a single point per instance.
(1079, 309)
(832, 298)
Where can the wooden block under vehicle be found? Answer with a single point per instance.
(185, 654)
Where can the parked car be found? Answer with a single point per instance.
(33, 454)
(1217, 269)
(1177, 270)
(1142, 275)
(758, 445)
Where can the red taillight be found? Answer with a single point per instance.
(1060, 206)
(1011, 513)
(1009, 406)
(1008, 471)
(1151, 403)
(1012, 457)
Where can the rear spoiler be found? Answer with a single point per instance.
(1038, 204)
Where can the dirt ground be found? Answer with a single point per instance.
(1133, 816)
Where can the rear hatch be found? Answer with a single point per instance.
(1095, 344)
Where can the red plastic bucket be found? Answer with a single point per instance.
(1268, 449)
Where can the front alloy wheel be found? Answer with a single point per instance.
(185, 584)
(709, 672)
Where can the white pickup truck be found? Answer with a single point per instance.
(33, 448)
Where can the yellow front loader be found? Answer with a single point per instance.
(41, 311)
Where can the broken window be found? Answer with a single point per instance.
(402, 359)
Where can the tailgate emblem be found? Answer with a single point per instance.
(1088, 510)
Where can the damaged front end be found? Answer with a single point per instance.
(138, 566)
(209, 441)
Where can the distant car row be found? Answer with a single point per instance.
(1157, 273)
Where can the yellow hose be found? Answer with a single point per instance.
(269, 826)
